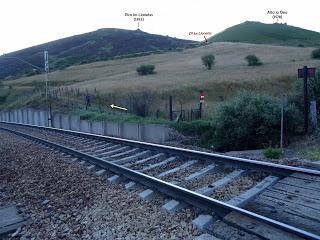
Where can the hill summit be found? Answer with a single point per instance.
(103, 44)
(276, 33)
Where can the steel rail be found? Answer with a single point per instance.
(193, 198)
(273, 168)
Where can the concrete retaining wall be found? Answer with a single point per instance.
(43, 118)
(15, 116)
(36, 119)
(75, 123)
(11, 117)
(20, 116)
(141, 132)
(56, 121)
(65, 122)
(24, 116)
(85, 126)
(112, 129)
(30, 116)
(97, 127)
(130, 131)
(154, 133)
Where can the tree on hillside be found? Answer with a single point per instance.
(253, 60)
(145, 69)
(3, 93)
(316, 53)
(208, 60)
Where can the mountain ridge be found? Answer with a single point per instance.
(263, 33)
(102, 44)
(110, 43)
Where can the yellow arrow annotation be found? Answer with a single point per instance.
(121, 108)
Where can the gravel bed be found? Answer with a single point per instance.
(57, 138)
(60, 138)
(207, 180)
(186, 146)
(139, 166)
(255, 155)
(127, 155)
(180, 175)
(135, 160)
(164, 168)
(66, 201)
(48, 135)
(237, 187)
(286, 160)
(135, 225)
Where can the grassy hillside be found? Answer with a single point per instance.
(280, 34)
(102, 44)
(180, 74)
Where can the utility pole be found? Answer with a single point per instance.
(282, 117)
(46, 71)
(304, 73)
(170, 108)
(306, 98)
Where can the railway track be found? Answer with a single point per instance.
(219, 186)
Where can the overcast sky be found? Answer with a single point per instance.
(25, 23)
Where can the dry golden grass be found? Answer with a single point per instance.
(183, 75)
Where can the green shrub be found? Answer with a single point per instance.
(62, 64)
(316, 53)
(253, 60)
(93, 116)
(145, 69)
(140, 103)
(32, 72)
(250, 121)
(204, 130)
(193, 127)
(312, 153)
(274, 153)
(3, 99)
(87, 116)
(208, 60)
(296, 97)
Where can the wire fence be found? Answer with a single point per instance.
(68, 99)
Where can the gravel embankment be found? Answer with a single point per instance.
(48, 135)
(205, 181)
(155, 171)
(236, 187)
(140, 166)
(288, 158)
(65, 201)
(180, 175)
